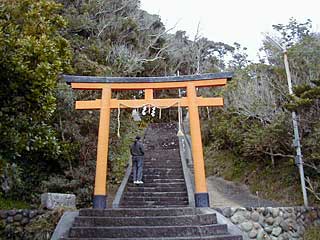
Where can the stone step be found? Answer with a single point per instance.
(128, 212)
(179, 168)
(157, 194)
(203, 219)
(220, 237)
(155, 198)
(180, 183)
(162, 155)
(159, 179)
(168, 180)
(157, 155)
(162, 176)
(162, 144)
(152, 204)
(160, 183)
(162, 170)
(145, 231)
(166, 164)
(157, 189)
(163, 173)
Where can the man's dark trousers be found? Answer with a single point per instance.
(137, 165)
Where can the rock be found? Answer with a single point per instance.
(294, 234)
(281, 213)
(246, 226)
(25, 221)
(3, 214)
(284, 225)
(261, 220)
(300, 222)
(255, 216)
(40, 212)
(313, 215)
(261, 235)
(32, 214)
(269, 209)
(227, 212)
(293, 225)
(286, 215)
(289, 210)
(233, 210)
(276, 231)
(9, 220)
(237, 218)
(268, 229)
(12, 212)
(25, 213)
(301, 229)
(285, 236)
(270, 220)
(56, 200)
(17, 218)
(247, 215)
(253, 233)
(277, 221)
(256, 225)
(265, 212)
(275, 212)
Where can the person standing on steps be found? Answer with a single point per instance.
(137, 153)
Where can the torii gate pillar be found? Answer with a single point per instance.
(148, 84)
(201, 193)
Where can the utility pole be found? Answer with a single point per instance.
(296, 140)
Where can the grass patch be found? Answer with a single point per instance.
(312, 233)
(7, 204)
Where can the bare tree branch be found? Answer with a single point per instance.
(312, 189)
(279, 154)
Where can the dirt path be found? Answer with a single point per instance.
(229, 194)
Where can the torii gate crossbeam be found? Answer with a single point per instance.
(149, 84)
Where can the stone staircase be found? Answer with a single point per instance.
(164, 184)
(157, 209)
(147, 224)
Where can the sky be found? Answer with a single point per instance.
(229, 21)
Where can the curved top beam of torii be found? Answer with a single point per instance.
(183, 78)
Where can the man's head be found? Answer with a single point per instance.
(138, 138)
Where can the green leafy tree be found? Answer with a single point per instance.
(32, 54)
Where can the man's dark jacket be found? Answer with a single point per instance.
(137, 149)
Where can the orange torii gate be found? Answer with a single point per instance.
(149, 84)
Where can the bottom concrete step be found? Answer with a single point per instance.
(146, 231)
(151, 205)
(199, 219)
(221, 237)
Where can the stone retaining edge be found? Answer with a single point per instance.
(64, 225)
(118, 196)
(183, 146)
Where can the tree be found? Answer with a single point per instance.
(32, 54)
